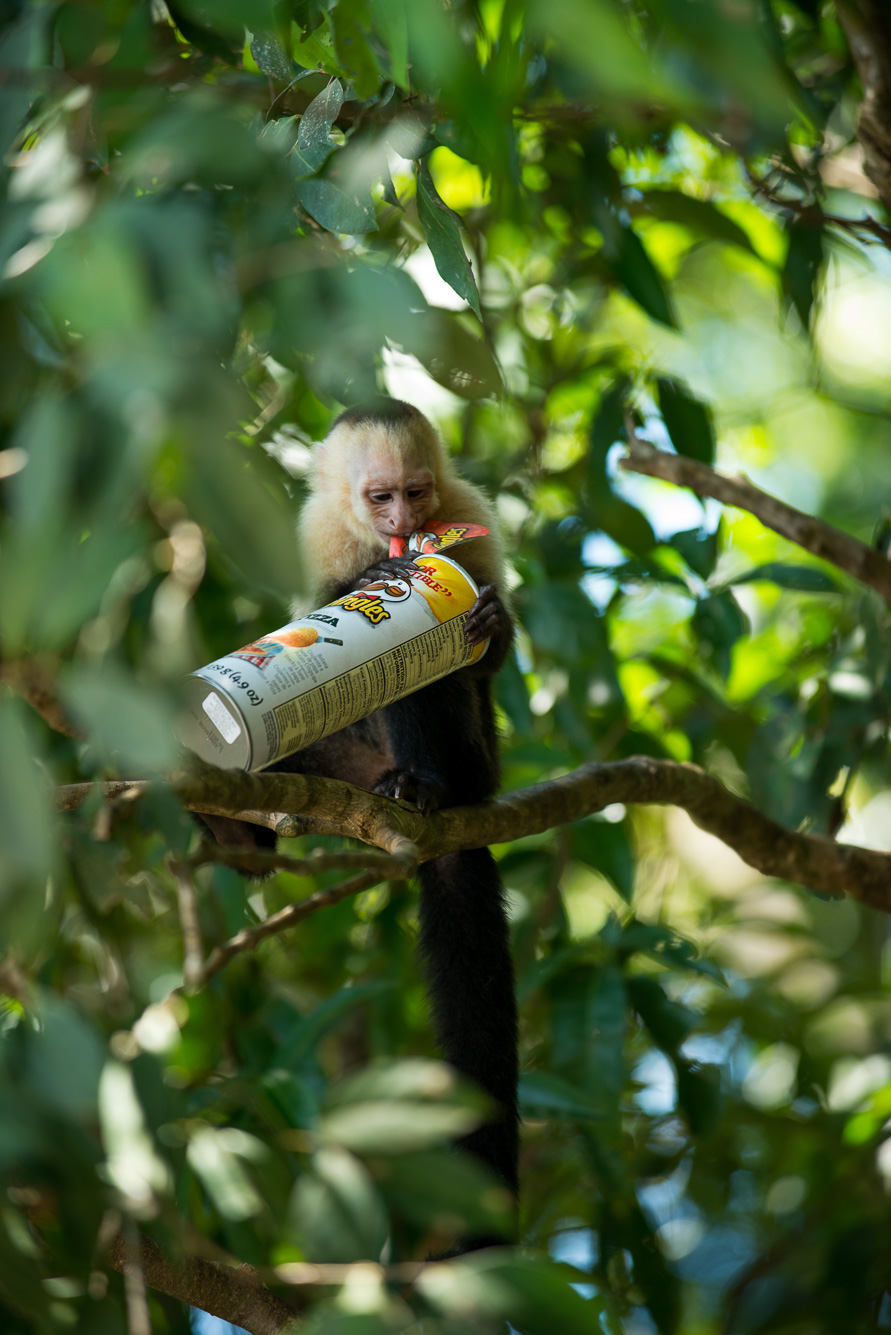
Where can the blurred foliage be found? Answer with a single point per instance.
(222, 222)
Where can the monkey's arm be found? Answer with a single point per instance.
(490, 620)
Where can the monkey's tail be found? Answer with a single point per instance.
(465, 946)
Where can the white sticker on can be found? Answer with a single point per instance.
(220, 717)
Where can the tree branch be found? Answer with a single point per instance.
(813, 214)
(867, 26)
(847, 553)
(233, 1294)
(33, 681)
(807, 859)
(259, 861)
(250, 937)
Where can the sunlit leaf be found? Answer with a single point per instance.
(314, 143)
(807, 579)
(393, 1127)
(336, 1211)
(271, 56)
(444, 239)
(535, 1297)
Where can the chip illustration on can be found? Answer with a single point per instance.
(335, 665)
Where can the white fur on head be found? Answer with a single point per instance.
(336, 537)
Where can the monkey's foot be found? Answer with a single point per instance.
(486, 618)
(423, 790)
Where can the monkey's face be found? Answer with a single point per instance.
(397, 498)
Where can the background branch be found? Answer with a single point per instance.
(34, 681)
(250, 937)
(259, 861)
(233, 1294)
(856, 558)
(867, 26)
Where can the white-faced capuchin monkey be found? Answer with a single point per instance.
(380, 472)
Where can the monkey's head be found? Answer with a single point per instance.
(385, 463)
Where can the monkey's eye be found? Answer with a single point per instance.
(380, 497)
(418, 493)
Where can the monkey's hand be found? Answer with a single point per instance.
(419, 787)
(487, 619)
(394, 567)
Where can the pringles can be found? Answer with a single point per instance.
(331, 667)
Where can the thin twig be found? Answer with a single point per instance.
(811, 212)
(865, 563)
(258, 861)
(193, 951)
(71, 796)
(135, 1297)
(335, 1274)
(250, 937)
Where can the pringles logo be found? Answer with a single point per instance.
(372, 600)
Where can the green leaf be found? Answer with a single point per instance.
(409, 136)
(337, 209)
(698, 548)
(26, 823)
(699, 1095)
(414, 1079)
(456, 358)
(271, 56)
(64, 1060)
(543, 1094)
(535, 1297)
(390, 20)
(336, 1211)
(668, 1022)
(326, 1016)
(603, 845)
(806, 579)
(688, 421)
(699, 215)
(201, 35)
(217, 1156)
(129, 725)
(588, 1010)
(609, 512)
(433, 1186)
(801, 271)
(719, 622)
(354, 51)
(440, 226)
(627, 260)
(387, 1126)
(314, 143)
(562, 622)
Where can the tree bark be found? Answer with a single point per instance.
(867, 26)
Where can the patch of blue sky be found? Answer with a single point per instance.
(576, 1247)
(205, 1324)
(657, 1092)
